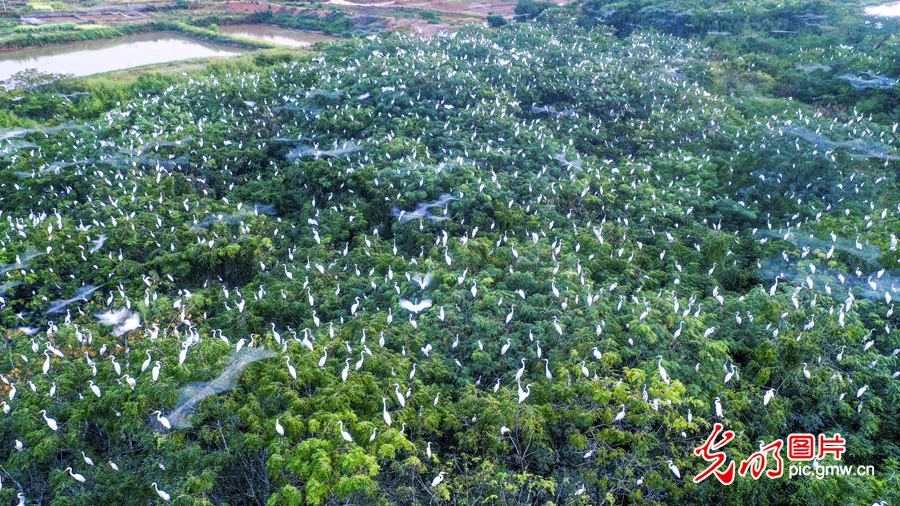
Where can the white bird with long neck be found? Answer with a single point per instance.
(95, 389)
(384, 411)
(523, 394)
(162, 495)
(674, 469)
(161, 419)
(50, 422)
(78, 477)
(291, 370)
(344, 434)
(346, 370)
(662, 370)
(275, 334)
(730, 374)
(521, 370)
(146, 363)
(400, 397)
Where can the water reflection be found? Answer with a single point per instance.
(86, 58)
(275, 35)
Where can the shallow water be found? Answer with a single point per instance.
(86, 58)
(275, 35)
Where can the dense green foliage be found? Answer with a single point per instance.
(614, 200)
(496, 21)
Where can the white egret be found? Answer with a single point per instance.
(161, 419)
(384, 411)
(400, 397)
(547, 372)
(417, 307)
(523, 394)
(662, 370)
(674, 469)
(78, 477)
(50, 422)
(346, 370)
(768, 397)
(730, 374)
(291, 369)
(162, 495)
(146, 363)
(344, 434)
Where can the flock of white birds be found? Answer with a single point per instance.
(425, 93)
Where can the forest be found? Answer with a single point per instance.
(537, 263)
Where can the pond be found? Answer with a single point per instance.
(891, 9)
(275, 35)
(86, 58)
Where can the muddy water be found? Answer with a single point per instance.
(275, 35)
(86, 58)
